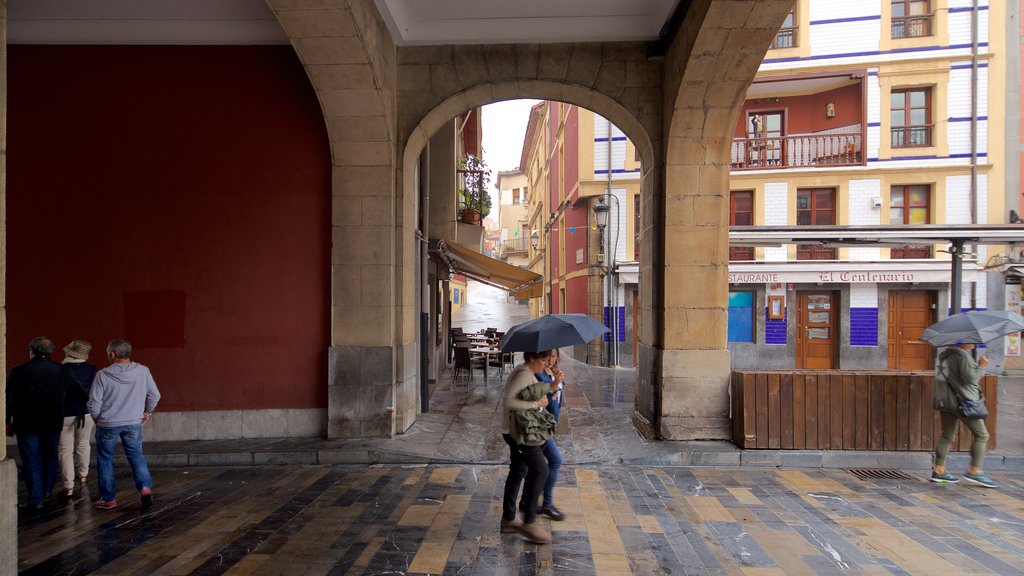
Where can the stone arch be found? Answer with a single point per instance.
(708, 69)
(540, 90)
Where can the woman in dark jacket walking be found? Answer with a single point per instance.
(77, 374)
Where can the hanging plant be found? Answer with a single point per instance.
(476, 177)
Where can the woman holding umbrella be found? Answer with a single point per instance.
(962, 375)
(961, 333)
(526, 453)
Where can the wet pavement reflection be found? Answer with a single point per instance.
(440, 519)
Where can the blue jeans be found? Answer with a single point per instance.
(554, 458)
(131, 440)
(39, 463)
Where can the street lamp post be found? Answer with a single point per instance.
(601, 210)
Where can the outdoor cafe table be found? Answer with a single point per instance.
(487, 352)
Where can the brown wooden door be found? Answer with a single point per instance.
(817, 335)
(910, 312)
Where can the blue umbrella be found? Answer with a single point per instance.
(973, 327)
(551, 331)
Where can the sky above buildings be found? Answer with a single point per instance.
(504, 126)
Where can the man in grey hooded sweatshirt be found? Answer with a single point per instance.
(122, 399)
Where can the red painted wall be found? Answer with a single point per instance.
(554, 185)
(180, 196)
(805, 114)
(576, 295)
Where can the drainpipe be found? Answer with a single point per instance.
(613, 321)
(974, 136)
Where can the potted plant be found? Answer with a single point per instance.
(476, 201)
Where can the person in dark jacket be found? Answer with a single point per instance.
(35, 403)
(78, 424)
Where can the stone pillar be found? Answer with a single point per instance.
(709, 66)
(8, 469)
(350, 59)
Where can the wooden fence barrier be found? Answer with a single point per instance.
(843, 410)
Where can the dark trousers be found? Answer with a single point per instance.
(527, 463)
(39, 463)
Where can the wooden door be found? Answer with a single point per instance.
(817, 333)
(910, 312)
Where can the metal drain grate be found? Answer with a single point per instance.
(878, 474)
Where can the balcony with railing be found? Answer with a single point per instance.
(513, 247)
(798, 151)
(912, 26)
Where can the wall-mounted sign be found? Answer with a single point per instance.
(848, 276)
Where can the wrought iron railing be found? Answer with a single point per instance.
(784, 38)
(912, 26)
(514, 246)
(911, 136)
(808, 150)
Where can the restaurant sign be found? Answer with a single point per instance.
(845, 276)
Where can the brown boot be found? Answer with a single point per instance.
(513, 525)
(535, 533)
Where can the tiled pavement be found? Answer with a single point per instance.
(431, 503)
(437, 519)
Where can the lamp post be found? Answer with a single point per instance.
(601, 210)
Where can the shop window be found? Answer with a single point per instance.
(815, 207)
(741, 316)
(909, 206)
(911, 18)
(910, 117)
(786, 36)
(741, 213)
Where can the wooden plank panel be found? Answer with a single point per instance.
(761, 393)
(735, 407)
(774, 410)
(749, 411)
(824, 393)
(876, 419)
(902, 412)
(799, 417)
(914, 401)
(786, 412)
(927, 414)
(991, 394)
(889, 408)
(849, 410)
(811, 410)
(835, 416)
(862, 413)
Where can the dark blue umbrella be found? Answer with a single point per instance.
(551, 331)
(975, 327)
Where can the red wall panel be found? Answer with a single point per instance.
(806, 114)
(576, 295)
(180, 195)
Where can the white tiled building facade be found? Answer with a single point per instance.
(859, 108)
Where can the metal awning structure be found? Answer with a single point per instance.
(519, 282)
(880, 236)
(955, 235)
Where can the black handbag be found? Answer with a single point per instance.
(968, 409)
(972, 409)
